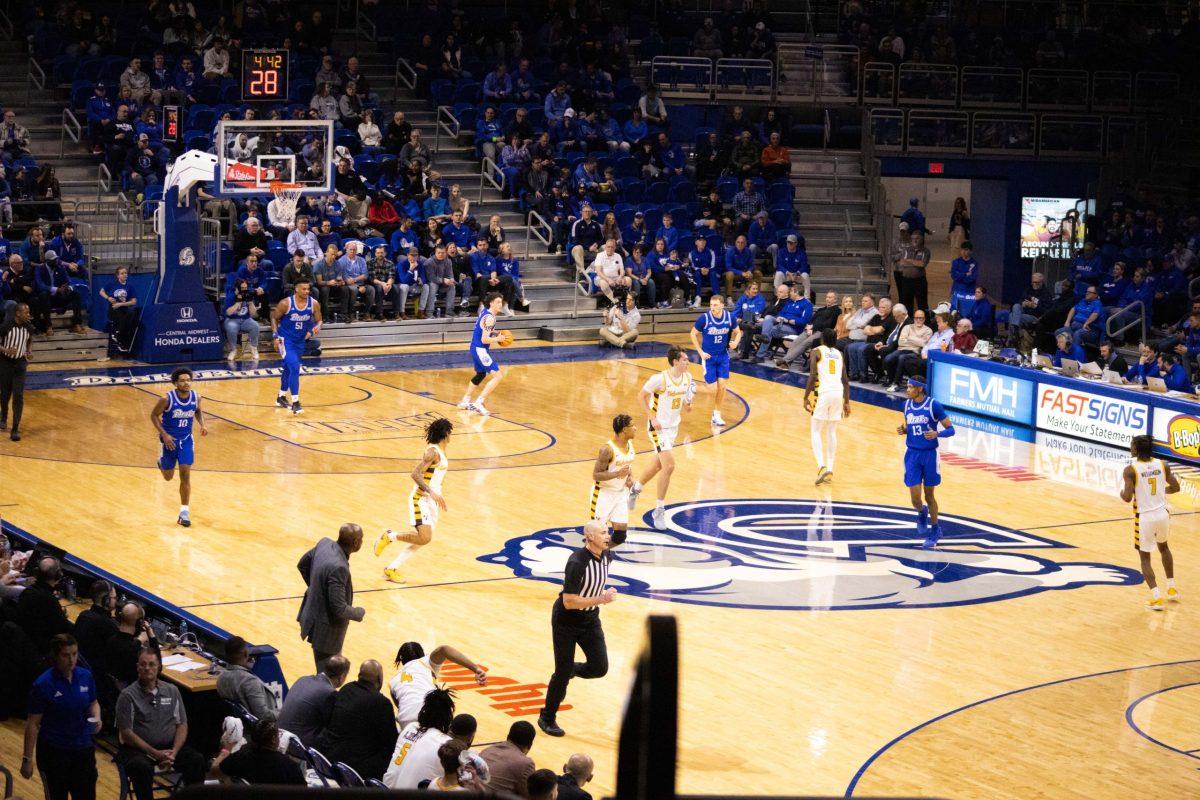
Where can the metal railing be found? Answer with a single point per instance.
(488, 173)
(405, 75)
(927, 84)
(535, 223)
(210, 254)
(364, 26)
(104, 181)
(1004, 133)
(446, 121)
(823, 72)
(877, 196)
(671, 72)
(34, 78)
(743, 77)
(71, 128)
(1140, 322)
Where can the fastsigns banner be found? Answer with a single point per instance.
(1090, 416)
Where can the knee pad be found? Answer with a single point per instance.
(478, 379)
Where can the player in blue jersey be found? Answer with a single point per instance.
(713, 334)
(481, 353)
(173, 416)
(922, 415)
(294, 321)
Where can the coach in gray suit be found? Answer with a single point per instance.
(309, 701)
(326, 611)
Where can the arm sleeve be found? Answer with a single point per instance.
(573, 578)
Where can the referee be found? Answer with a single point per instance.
(16, 347)
(576, 620)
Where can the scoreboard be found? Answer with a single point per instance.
(264, 75)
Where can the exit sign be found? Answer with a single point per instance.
(936, 167)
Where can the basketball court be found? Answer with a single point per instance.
(823, 651)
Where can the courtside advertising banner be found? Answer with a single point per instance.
(1085, 415)
(982, 392)
(1178, 433)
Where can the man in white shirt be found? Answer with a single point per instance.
(417, 672)
(216, 61)
(304, 240)
(610, 270)
(942, 339)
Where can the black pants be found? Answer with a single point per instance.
(571, 628)
(914, 293)
(47, 302)
(335, 301)
(140, 769)
(12, 387)
(67, 773)
(506, 288)
(124, 321)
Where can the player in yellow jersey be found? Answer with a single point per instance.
(666, 396)
(829, 381)
(612, 477)
(425, 500)
(1148, 481)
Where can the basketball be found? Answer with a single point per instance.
(506, 338)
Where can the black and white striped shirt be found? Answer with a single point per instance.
(15, 338)
(585, 575)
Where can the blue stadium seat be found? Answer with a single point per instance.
(442, 92)
(375, 241)
(467, 92)
(367, 168)
(632, 190)
(781, 216)
(657, 192)
(195, 140)
(727, 187)
(682, 191)
(686, 242)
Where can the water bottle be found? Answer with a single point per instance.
(69, 589)
(1033, 357)
(183, 631)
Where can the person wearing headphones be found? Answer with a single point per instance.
(95, 626)
(38, 611)
(121, 651)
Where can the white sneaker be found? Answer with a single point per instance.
(716, 419)
(696, 302)
(659, 518)
(231, 359)
(465, 403)
(508, 312)
(634, 492)
(479, 409)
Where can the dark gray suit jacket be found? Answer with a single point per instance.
(307, 707)
(326, 611)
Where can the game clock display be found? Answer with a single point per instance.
(264, 75)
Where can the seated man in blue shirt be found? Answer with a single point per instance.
(1113, 287)
(255, 276)
(706, 269)
(1140, 289)
(982, 314)
(1088, 269)
(792, 318)
(241, 306)
(1145, 367)
(1173, 373)
(673, 160)
(456, 231)
(55, 293)
(668, 232)
(354, 271)
(739, 266)
(764, 238)
(791, 264)
(498, 86)
(489, 135)
(1066, 349)
(1085, 320)
(586, 174)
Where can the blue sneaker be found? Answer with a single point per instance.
(185, 519)
(935, 533)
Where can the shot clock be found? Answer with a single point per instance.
(264, 75)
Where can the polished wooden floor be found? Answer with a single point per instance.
(1019, 697)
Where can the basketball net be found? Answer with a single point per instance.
(287, 195)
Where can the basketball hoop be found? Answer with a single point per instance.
(287, 195)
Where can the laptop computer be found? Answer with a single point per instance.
(1044, 361)
(983, 348)
(1070, 367)
(1112, 376)
(1156, 385)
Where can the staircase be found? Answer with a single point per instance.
(834, 213)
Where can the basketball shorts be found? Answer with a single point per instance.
(829, 407)
(716, 367)
(481, 357)
(422, 510)
(1150, 529)
(921, 467)
(664, 439)
(610, 505)
(183, 453)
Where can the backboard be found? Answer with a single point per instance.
(251, 154)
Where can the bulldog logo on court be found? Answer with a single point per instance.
(814, 555)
